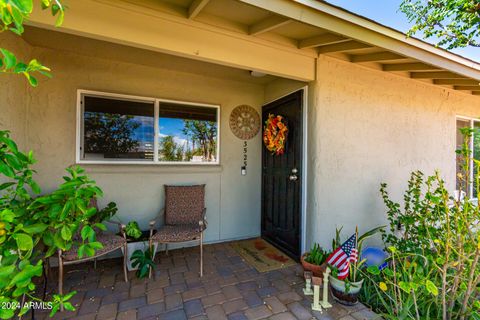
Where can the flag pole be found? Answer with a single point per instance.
(358, 254)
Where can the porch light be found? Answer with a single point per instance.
(257, 74)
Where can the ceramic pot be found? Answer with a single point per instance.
(317, 270)
(339, 291)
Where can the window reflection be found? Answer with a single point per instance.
(117, 129)
(187, 133)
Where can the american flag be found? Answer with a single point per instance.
(343, 256)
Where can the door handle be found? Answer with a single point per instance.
(293, 177)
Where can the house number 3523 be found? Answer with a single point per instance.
(245, 158)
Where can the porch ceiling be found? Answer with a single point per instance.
(306, 29)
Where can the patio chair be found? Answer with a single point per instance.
(184, 218)
(110, 242)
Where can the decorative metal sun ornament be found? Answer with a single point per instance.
(245, 122)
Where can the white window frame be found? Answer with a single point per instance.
(156, 101)
(472, 121)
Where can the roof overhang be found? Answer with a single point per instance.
(278, 37)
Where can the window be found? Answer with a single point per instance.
(474, 146)
(125, 129)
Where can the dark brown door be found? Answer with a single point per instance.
(282, 179)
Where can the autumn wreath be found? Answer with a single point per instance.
(275, 134)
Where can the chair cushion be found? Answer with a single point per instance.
(177, 233)
(110, 242)
(184, 204)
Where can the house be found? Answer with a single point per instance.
(363, 105)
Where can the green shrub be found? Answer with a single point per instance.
(31, 229)
(434, 243)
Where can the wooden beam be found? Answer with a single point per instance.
(321, 40)
(408, 67)
(476, 93)
(343, 46)
(196, 7)
(267, 24)
(452, 82)
(469, 88)
(435, 75)
(375, 57)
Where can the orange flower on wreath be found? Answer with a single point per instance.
(275, 134)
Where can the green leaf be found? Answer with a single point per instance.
(388, 272)
(431, 287)
(90, 252)
(13, 161)
(6, 271)
(95, 245)
(59, 242)
(69, 295)
(101, 226)
(60, 18)
(66, 233)
(87, 232)
(48, 239)
(45, 4)
(81, 251)
(6, 313)
(373, 270)
(25, 6)
(68, 306)
(35, 228)
(7, 215)
(24, 277)
(32, 80)
(11, 144)
(405, 286)
(6, 170)
(9, 58)
(35, 187)
(5, 185)
(24, 241)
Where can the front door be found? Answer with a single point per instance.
(282, 179)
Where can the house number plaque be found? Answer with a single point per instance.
(245, 124)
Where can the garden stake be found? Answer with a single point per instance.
(324, 303)
(308, 283)
(316, 298)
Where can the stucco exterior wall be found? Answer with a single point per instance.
(232, 200)
(368, 127)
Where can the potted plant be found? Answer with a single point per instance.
(137, 240)
(315, 260)
(143, 261)
(346, 290)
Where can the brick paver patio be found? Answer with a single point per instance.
(230, 289)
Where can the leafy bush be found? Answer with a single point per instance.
(67, 212)
(434, 242)
(34, 229)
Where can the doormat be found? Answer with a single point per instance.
(262, 255)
